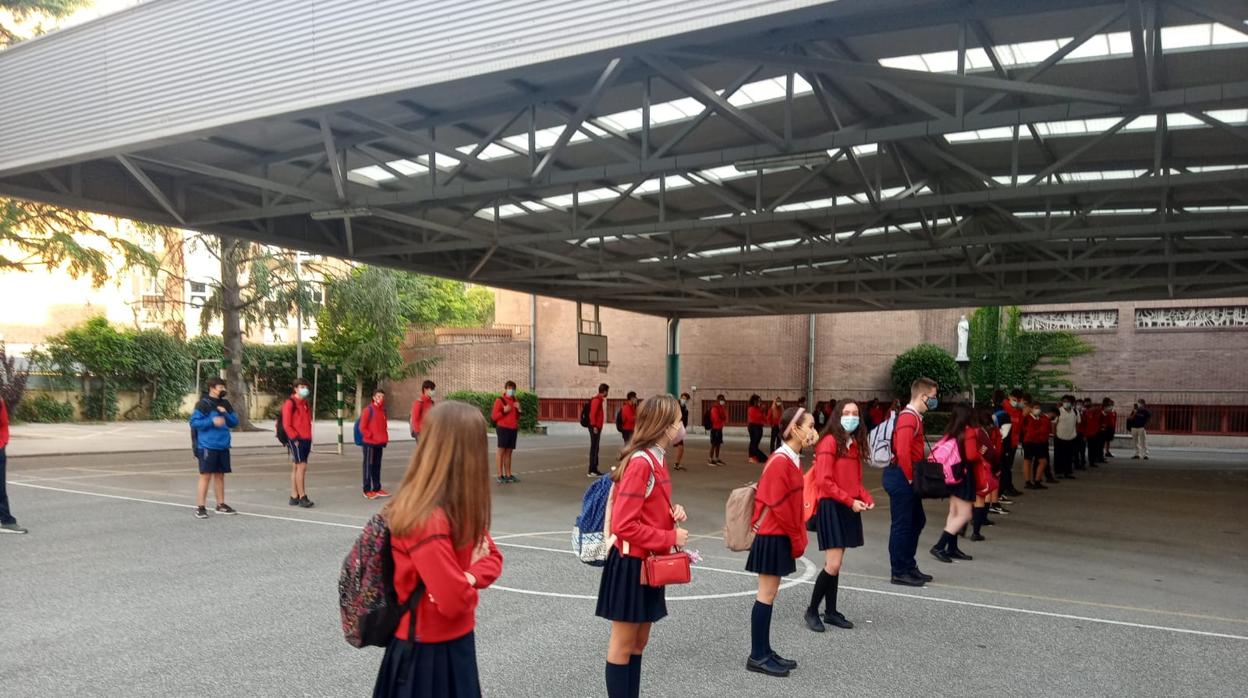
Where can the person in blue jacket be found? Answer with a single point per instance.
(211, 421)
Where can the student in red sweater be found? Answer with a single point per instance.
(719, 419)
(644, 522)
(1037, 427)
(835, 514)
(1011, 442)
(905, 508)
(628, 416)
(781, 536)
(297, 421)
(754, 420)
(439, 525)
(1090, 428)
(1109, 425)
(506, 417)
(597, 418)
(963, 431)
(987, 494)
(376, 432)
(421, 407)
(774, 413)
(8, 524)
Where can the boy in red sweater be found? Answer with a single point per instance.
(1037, 427)
(597, 418)
(8, 524)
(421, 407)
(719, 418)
(297, 422)
(506, 417)
(376, 432)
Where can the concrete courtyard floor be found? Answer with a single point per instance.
(1132, 580)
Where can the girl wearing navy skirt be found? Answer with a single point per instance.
(781, 535)
(836, 514)
(986, 481)
(964, 427)
(644, 522)
(439, 526)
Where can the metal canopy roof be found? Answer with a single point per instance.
(726, 158)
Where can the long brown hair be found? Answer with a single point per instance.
(841, 437)
(449, 470)
(655, 416)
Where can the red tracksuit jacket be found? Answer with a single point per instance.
(373, 425)
(297, 419)
(508, 420)
(839, 477)
(644, 521)
(780, 491)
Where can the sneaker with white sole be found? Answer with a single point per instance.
(225, 509)
(201, 512)
(12, 528)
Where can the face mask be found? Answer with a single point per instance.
(431, 392)
(683, 401)
(932, 402)
(1013, 403)
(510, 392)
(849, 423)
(1066, 405)
(378, 400)
(722, 402)
(679, 438)
(304, 392)
(1035, 413)
(221, 395)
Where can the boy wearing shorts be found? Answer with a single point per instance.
(211, 420)
(297, 421)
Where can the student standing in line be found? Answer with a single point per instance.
(212, 419)
(828, 407)
(1137, 422)
(836, 516)
(684, 421)
(8, 524)
(1109, 425)
(1012, 441)
(628, 416)
(820, 417)
(1065, 431)
(987, 493)
(375, 429)
(597, 418)
(781, 536)
(754, 420)
(421, 407)
(440, 541)
(644, 522)
(774, 415)
(719, 419)
(1081, 447)
(1037, 427)
(905, 507)
(963, 429)
(1090, 426)
(506, 418)
(297, 421)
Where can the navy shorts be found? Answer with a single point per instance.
(213, 461)
(717, 437)
(1036, 451)
(506, 437)
(299, 450)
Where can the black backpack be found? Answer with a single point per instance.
(280, 429)
(619, 420)
(706, 420)
(585, 414)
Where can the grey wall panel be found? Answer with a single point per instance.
(168, 69)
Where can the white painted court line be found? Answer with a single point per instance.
(804, 579)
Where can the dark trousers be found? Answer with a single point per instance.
(1107, 440)
(756, 437)
(1096, 449)
(627, 434)
(1081, 453)
(372, 467)
(908, 521)
(1007, 467)
(595, 437)
(775, 438)
(6, 517)
(1063, 456)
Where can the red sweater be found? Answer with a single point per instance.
(719, 416)
(780, 491)
(909, 441)
(597, 411)
(420, 408)
(754, 416)
(374, 426)
(449, 609)
(1036, 430)
(774, 415)
(1109, 420)
(509, 419)
(644, 521)
(970, 447)
(628, 416)
(839, 477)
(877, 414)
(4, 424)
(1016, 422)
(297, 418)
(1090, 422)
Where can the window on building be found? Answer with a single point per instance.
(1193, 318)
(1072, 320)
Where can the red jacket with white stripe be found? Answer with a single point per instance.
(780, 492)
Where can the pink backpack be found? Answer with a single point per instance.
(949, 455)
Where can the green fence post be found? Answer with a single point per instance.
(338, 389)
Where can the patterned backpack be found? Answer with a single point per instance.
(366, 596)
(590, 540)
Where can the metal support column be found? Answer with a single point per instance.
(338, 392)
(673, 356)
(810, 361)
(533, 342)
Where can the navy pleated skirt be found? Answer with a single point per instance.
(966, 489)
(771, 554)
(429, 670)
(622, 596)
(836, 525)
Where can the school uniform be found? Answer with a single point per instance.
(1036, 431)
(1081, 441)
(877, 415)
(773, 420)
(719, 419)
(597, 418)
(641, 521)
(212, 442)
(1090, 427)
(375, 429)
(971, 457)
(1064, 433)
(1109, 425)
(6, 516)
(1010, 444)
(986, 481)
(628, 420)
(781, 537)
(441, 659)
(905, 507)
(838, 482)
(420, 408)
(506, 421)
(754, 424)
(297, 421)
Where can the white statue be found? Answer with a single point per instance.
(964, 333)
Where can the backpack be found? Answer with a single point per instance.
(280, 428)
(366, 596)
(880, 442)
(619, 420)
(948, 453)
(739, 530)
(591, 534)
(707, 424)
(585, 414)
(359, 434)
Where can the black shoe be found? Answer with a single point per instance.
(1135, 457)
(1038, 486)
(201, 512)
(925, 577)
(998, 510)
(1051, 480)
(767, 666)
(1030, 486)
(908, 580)
(512, 478)
(838, 620)
(813, 622)
(786, 663)
(502, 480)
(1109, 455)
(959, 555)
(1145, 457)
(593, 473)
(678, 466)
(976, 537)
(940, 554)
(1013, 493)
(305, 502)
(294, 501)
(987, 522)
(226, 509)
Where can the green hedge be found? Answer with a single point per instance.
(43, 409)
(485, 402)
(935, 423)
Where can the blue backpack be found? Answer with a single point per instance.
(588, 541)
(359, 435)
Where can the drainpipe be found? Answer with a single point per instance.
(810, 361)
(533, 342)
(673, 356)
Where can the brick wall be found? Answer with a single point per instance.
(483, 367)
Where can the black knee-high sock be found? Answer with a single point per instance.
(946, 539)
(821, 590)
(978, 514)
(634, 675)
(760, 630)
(617, 680)
(830, 594)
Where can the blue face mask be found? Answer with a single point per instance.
(849, 423)
(932, 402)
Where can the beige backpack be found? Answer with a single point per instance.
(739, 532)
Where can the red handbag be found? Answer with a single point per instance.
(662, 570)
